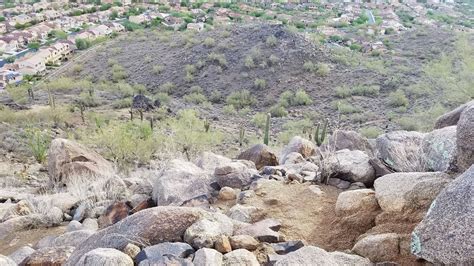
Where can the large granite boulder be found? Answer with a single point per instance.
(350, 140)
(240, 257)
(451, 118)
(300, 145)
(207, 230)
(49, 256)
(439, 149)
(465, 139)
(401, 150)
(6, 261)
(207, 257)
(177, 249)
(68, 159)
(409, 193)
(210, 161)
(378, 248)
(311, 255)
(151, 226)
(260, 154)
(352, 166)
(444, 236)
(104, 257)
(236, 174)
(180, 181)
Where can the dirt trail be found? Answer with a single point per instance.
(27, 237)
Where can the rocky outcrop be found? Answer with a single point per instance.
(152, 226)
(210, 161)
(67, 159)
(350, 140)
(207, 230)
(439, 149)
(311, 255)
(180, 181)
(378, 248)
(259, 154)
(20, 254)
(409, 193)
(445, 234)
(401, 150)
(465, 139)
(236, 174)
(105, 256)
(352, 166)
(297, 144)
(452, 118)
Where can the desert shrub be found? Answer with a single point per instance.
(157, 69)
(278, 110)
(398, 99)
(77, 69)
(248, 62)
(163, 98)
(18, 93)
(345, 107)
(302, 98)
(209, 42)
(295, 128)
(87, 99)
(218, 58)
(38, 143)
(167, 87)
(245, 111)
(309, 66)
(363, 90)
(408, 123)
(216, 97)
(371, 132)
(359, 117)
(259, 120)
(65, 83)
(229, 110)
(111, 62)
(322, 69)
(260, 83)
(195, 98)
(343, 92)
(241, 99)
(271, 41)
(118, 73)
(273, 59)
(122, 103)
(147, 59)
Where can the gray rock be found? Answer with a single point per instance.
(49, 256)
(205, 232)
(451, 118)
(294, 158)
(243, 241)
(439, 149)
(47, 241)
(401, 150)
(20, 254)
(236, 174)
(210, 161)
(465, 139)
(131, 250)
(283, 248)
(408, 192)
(180, 250)
(73, 238)
(243, 213)
(353, 166)
(350, 140)
(240, 257)
(265, 230)
(207, 257)
(339, 183)
(297, 144)
(311, 255)
(356, 201)
(105, 257)
(259, 154)
(167, 260)
(73, 226)
(6, 261)
(378, 248)
(90, 224)
(180, 181)
(445, 234)
(152, 226)
(379, 168)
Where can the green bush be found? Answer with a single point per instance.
(273, 59)
(288, 98)
(122, 103)
(241, 99)
(398, 99)
(38, 142)
(344, 107)
(248, 62)
(167, 87)
(259, 120)
(371, 132)
(209, 42)
(271, 41)
(343, 92)
(323, 69)
(218, 58)
(409, 123)
(229, 110)
(278, 111)
(216, 97)
(363, 90)
(157, 69)
(118, 73)
(309, 66)
(260, 83)
(195, 98)
(163, 98)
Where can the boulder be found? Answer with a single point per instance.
(444, 236)
(72, 239)
(283, 248)
(206, 231)
(240, 257)
(105, 256)
(114, 213)
(180, 181)
(451, 118)
(379, 167)
(311, 255)
(401, 150)
(465, 139)
(90, 224)
(439, 149)
(265, 230)
(356, 201)
(67, 159)
(49, 256)
(243, 213)
(243, 241)
(339, 183)
(207, 257)
(236, 174)
(6, 261)
(179, 250)
(227, 193)
(73, 226)
(352, 166)
(259, 154)
(152, 226)
(378, 248)
(210, 161)
(294, 158)
(222, 244)
(131, 250)
(20, 254)
(297, 144)
(350, 140)
(166, 260)
(409, 192)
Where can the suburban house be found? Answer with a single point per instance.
(43, 5)
(195, 26)
(9, 77)
(52, 14)
(21, 19)
(115, 27)
(31, 65)
(100, 31)
(139, 19)
(8, 44)
(41, 31)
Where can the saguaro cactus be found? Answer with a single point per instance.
(319, 138)
(267, 129)
(241, 135)
(207, 125)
